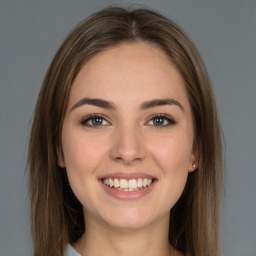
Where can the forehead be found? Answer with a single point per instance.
(129, 71)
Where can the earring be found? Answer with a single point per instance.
(194, 164)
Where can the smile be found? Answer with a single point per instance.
(131, 186)
(127, 185)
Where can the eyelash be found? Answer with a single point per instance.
(84, 122)
(165, 117)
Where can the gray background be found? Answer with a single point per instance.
(224, 32)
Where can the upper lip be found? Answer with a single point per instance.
(127, 176)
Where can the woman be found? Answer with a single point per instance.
(125, 150)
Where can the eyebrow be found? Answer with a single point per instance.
(160, 102)
(95, 102)
(110, 105)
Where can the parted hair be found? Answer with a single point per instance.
(56, 214)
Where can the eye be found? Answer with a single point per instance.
(94, 121)
(161, 120)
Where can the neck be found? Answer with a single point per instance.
(102, 239)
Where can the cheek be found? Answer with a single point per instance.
(81, 153)
(81, 157)
(172, 154)
(173, 159)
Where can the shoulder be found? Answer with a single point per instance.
(70, 251)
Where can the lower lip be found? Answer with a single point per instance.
(127, 195)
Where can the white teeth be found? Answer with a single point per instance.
(111, 182)
(133, 189)
(139, 184)
(132, 183)
(127, 189)
(127, 185)
(116, 183)
(123, 183)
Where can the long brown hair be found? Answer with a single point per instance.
(56, 214)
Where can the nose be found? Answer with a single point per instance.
(127, 146)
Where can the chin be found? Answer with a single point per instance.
(128, 219)
(128, 224)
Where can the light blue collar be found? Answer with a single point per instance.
(70, 251)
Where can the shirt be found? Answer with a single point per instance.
(70, 251)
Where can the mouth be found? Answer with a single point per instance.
(128, 184)
(128, 187)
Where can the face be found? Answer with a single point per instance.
(127, 136)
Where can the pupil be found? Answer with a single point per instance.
(158, 121)
(97, 121)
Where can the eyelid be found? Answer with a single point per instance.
(167, 117)
(85, 119)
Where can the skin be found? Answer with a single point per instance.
(128, 141)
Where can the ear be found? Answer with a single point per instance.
(60, 156)
(194, 159)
